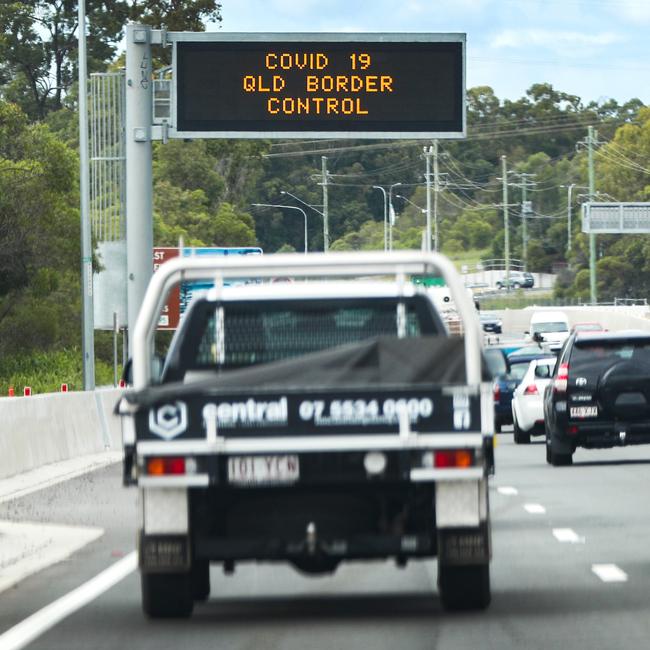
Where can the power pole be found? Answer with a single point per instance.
(525, 209)
(506, 223)
(427, 177)
(88, 326)
(589, 142)
(592, 137)
(326, 225)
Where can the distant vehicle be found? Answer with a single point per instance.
(551, 327)
(530, 352)
(502, 390)
(527, 400)
(490, 322)
(496, 361)
(599, 395)
(516, 280)
(588, 327)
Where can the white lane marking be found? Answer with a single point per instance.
(29, 547)
(23, 484)
(568, 536)
(534, 508)
(609, 572)
(31, 628)
(507, 490)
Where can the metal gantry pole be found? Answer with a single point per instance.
(88, 334)
(139, 186)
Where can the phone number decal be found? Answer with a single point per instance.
(360, 411)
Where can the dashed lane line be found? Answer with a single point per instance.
(534, 508)
(609, 572)
(507, 490)
(567, 536)
(31, 628)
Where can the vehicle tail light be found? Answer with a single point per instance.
(531, 390)
(453, 458)
(562, 379)
(168, 465)
(572, 430)
(496, 391)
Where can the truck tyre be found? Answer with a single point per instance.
(497, 426)
(167, 595)
(200, 580)
(464, 587)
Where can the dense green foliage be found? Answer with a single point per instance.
(44, 372)
(204, 190)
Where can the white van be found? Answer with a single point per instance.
(551, 326)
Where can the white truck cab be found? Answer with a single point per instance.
(550, 327)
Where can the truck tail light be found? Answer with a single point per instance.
(531, 390)
(562, 379)
(453, 458)
(496, 391)
(166, 466)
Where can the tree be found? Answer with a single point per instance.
(38, 41)
(39, 236)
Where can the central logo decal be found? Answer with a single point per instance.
(168, 421)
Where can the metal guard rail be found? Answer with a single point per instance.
(303, 266)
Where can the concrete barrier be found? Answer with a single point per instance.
(613, 318)
(42, 429)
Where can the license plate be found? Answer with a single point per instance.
(263, 470)
(583, 411)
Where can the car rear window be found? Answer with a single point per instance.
(598, 356)
(518, 370)
(268, 331)
(549, 327)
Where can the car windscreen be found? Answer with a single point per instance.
(266, 331)
(595, 357)
(543, 328)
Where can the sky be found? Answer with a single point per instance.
(596, 49)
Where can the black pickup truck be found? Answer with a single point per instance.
(309, 422)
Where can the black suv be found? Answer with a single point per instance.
(599, 395)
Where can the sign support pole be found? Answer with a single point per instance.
(139, 183)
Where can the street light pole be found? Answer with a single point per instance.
(383, 191)
(311, 207)
(427, 232)
(288, 207)
(568, 211)
(88, 333)
(391, 212)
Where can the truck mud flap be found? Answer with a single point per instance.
(164, 553)
(460, 546)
